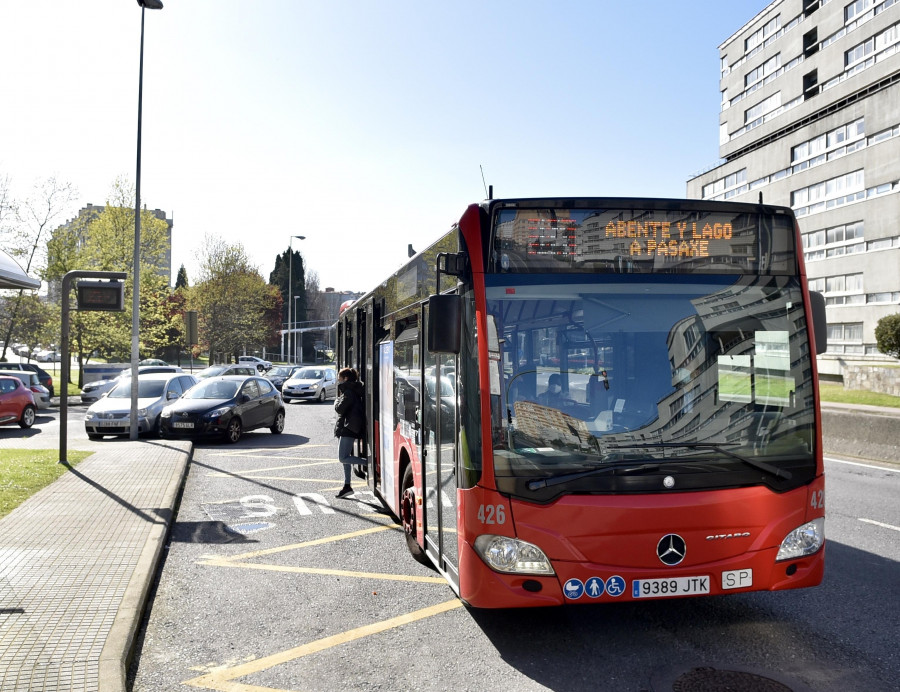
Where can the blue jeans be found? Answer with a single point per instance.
(345, 456)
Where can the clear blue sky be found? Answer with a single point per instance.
(359, 124)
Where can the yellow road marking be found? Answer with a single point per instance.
(322, 571)
(315, 462)
(306, 544)
(222, 679)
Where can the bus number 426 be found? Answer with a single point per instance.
(491, 514)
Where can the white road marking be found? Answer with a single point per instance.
(881, 524)
(867, 466)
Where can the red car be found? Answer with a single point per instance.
(16, 402)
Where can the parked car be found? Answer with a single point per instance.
(224, 407)
(227, 369)
(152, 361)
(43, 375)
(111, 415)
(311, 383)
(95, 389)
(30, 379)
(280, 373)
(16, 403)
(48, 356)
(260, 364)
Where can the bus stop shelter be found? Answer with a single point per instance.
(12, 276)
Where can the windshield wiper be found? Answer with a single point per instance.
(719, 447)
(539, 483)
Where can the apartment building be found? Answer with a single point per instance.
(810, 119)
(90, 213)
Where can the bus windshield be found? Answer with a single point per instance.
(689, 374)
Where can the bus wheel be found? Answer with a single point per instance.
(408, 516)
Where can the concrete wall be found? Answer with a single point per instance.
(865, 433)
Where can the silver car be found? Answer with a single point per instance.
(228, 369)
(92, 391)
(310, 383)
(111, 415)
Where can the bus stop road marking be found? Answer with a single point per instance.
(323, 571)
(315, 462)
(254, 477)
(307, 544)
(263, 452)
(222, 679)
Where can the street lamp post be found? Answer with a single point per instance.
(136, 272)
(297, 359)
(290, 290)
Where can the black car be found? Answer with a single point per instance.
(43, 375)
(279, 374)
(224, 407)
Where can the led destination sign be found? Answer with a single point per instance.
(665, 239)
(705, 240)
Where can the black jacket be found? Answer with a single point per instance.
(351, 411)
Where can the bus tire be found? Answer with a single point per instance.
(408, 517)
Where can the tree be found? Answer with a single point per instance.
(887, 335)
(315, 311)
(293, 273)
(23, 235)
(236, 309)
(36, 322)
(181, 281)
(105, 242)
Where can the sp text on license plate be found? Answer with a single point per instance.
(676, 586)
(182, 424)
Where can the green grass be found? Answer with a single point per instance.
(25, 471)
(831, 391)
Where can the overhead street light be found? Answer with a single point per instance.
(290, 290)
(136, 271)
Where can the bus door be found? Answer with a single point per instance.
(365, 325)
(438, 448)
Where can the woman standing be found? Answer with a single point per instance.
(351, 422)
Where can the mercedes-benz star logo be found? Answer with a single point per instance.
(671, 549)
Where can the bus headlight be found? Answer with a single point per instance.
(512, 556)
(802, 541)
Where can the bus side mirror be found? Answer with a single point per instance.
(820, 325)
(444, 323)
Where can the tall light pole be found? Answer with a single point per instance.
(296, 358)
(136, 271)
(290, 290)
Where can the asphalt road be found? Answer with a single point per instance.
(270, 583)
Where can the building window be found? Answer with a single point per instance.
(887, 297)
(846, 337)
(762, 108)
(764, 70)
(883, 244)
(844, 289)
(760, 35)
(829, 193)
(854, 9)
(859, 52)
(836, 241)
(731, 185)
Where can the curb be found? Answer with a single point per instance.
(117, 653)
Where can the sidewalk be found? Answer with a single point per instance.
(77, 560)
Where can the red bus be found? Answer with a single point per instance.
(599, 399)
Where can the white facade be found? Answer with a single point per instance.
(811, 119)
